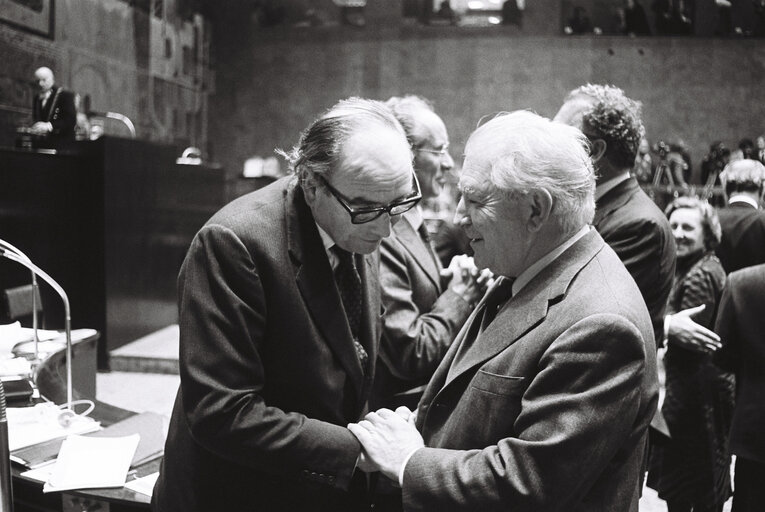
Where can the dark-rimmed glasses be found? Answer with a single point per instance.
(364, 215)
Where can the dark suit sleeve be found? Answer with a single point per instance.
(647, 250)
(66, 118)
(414, 341)
(576, 413)
(726, 326)
(223, 313)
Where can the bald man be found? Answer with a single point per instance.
(53, 110)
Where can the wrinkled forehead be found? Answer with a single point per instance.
(374, 159)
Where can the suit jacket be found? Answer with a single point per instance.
(743, 236)
(269, 374)
(421, 319)
(741, 324)
(548, 408)
(640, 235)
(59, 111)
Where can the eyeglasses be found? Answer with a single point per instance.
(443, 151)
(364, 215)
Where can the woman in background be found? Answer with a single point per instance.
(691, 471)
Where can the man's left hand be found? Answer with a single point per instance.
(388, 440)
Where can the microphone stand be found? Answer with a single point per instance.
(6, 490)
(67, 316)
(35, 293)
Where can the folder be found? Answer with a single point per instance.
(151, 426)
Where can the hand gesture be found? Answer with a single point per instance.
(686, 333)
(388, 439)
(466, 280)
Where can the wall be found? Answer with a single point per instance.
(272, 83)
(153, 69)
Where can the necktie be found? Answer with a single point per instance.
(349, 285)
(499, 294)
(425, 235)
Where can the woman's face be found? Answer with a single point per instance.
(688, 231)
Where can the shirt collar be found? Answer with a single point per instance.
(741, 198)
(328, 244)
(528, 274)
(607, 186)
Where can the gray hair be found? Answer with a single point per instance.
(405, 110)
(743, 176)
(528, 152)
(710, 223)
(320, 146)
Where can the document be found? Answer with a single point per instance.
(144, 485)
(34, 425)
(92, 462)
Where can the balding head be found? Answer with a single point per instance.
(44, 79)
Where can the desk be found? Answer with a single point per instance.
(51, 381)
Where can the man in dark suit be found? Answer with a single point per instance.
(741, 324)
(543, 401)
(625, 216)
(742, 222)
(280, 323)
(53, 110)
(422, 316)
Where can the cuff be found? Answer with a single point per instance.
(403, 467)
(665, 336)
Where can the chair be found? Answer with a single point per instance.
(17, 302)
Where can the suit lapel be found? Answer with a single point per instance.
(422, 254)
(526, 309)
(614, 199)
(314, 278)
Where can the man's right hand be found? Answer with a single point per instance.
(466, 280)
(686, 333)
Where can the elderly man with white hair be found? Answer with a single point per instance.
(544, 400)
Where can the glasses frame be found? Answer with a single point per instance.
(379, 210)
(442, 152)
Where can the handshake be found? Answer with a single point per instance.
(388, 439)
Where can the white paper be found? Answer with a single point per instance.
(33, 425)
(11, 334)
(144, 485)
(92, 462)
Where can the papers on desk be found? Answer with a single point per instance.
(28, 426)
(11, 334)
(92, 462)
(144, 485)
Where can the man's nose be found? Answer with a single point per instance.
(460, 214)
(447, 162)
(383, 224)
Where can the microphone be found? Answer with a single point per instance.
(6, 490)
(14, 256)
(35, 293)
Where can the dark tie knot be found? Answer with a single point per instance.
(424, 234)
(501, 292)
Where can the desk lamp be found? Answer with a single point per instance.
(14, 256)
(35, 293)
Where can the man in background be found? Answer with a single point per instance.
(741, 324)
(422, 314)
(544, 399)
(625, 216)
(279, 313)
(742, 222)
(53, 110)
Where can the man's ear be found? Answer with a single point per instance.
(308, 184)
(541, 203)
(597, 149)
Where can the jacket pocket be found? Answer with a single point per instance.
(498, 384)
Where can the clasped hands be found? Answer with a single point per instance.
(466, 280)
(387, 439)
(40, 128)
